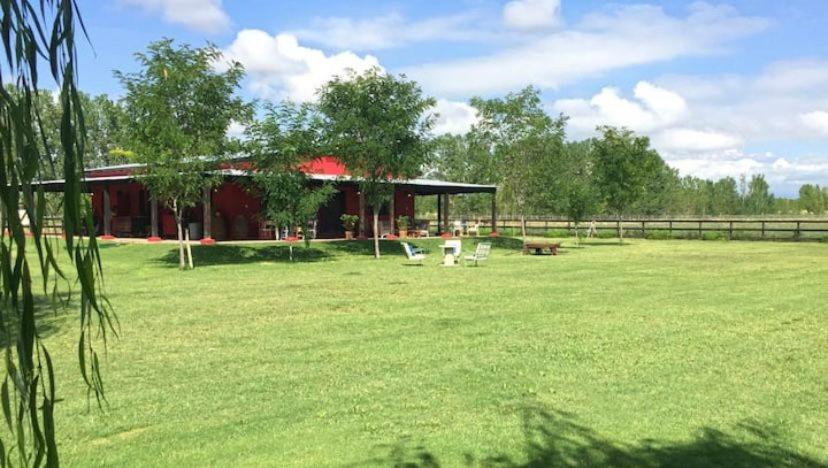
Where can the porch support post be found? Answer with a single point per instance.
(391, 213)
(107, 215)
(207, 204)
(439, 214)
(494, 215)
(446, 226)
(153, 220)
(361, 214)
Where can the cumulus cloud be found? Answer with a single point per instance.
(654, 107)
(202, 15)
(387, 31)
(279, 67)
(623, 37)
(453, 117)
(818, 120)
(532, 14)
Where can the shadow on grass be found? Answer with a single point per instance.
(49, 317)
(554, 439)
(243, 254)
(431, 245)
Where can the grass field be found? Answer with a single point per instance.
(655, 353)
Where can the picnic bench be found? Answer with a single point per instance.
(540, 247)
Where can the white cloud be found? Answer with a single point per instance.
(532, 14)
(202, 15)
(689, 140)
(624, 37)
(236, 130)
(818, 120)
(654, 108)
(453, 117)
(278, 67)
(387, 31)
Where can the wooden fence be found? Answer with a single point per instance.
(685, 227)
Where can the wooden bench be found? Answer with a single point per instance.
(539, 247)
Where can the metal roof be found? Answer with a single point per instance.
(418, 186)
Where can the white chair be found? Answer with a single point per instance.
(480, 253)
(473, 228)
(456, 245)
(413, 254)
(458, 228)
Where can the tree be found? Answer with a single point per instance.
(813, 199)
(464, 158)
(378, 125)
(758, 199)
(578, 194)
(287, 136)
(526, 143)
(28, 387)
(179, 108)
(624, 165)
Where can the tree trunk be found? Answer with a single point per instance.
(523, 227)
(620, 230)
(189, 249)
(577, 237)
(376, 234)
(178, 220)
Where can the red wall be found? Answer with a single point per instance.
(231, 200)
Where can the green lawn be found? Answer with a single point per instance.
(677, 353)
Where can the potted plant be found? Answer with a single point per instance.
(349, 222)
(402, 225)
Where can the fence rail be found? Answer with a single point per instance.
(684, 227)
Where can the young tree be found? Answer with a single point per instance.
(578, 197)
(179, 108)
(287, 136)
(624, 165)
(36, 34)
(464, 158)
(813, 199)
(526, 143)
(378, 124)
(759, 200)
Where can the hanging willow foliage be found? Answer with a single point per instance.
(34, 34)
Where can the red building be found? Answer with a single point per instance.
(122, 206)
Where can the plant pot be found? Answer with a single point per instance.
(349, 235)
(403, 234)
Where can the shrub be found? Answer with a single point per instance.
(557, 233)
(349, 222)
(658, 234)
(402, 222)
(714, 235)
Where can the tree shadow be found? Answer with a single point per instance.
(555, 439)
(242, 254)
(50, 314)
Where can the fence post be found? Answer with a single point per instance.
(797, 234)
(700, 229)
(730, 231)
(763, 229)
(618, 228)
(670, 227)
(643, 230)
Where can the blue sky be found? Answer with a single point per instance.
(722, 88)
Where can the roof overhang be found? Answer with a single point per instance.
(418, 186)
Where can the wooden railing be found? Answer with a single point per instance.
(680, 227)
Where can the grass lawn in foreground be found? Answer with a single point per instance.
(682, 353)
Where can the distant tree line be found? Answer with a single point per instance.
(517, 146)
